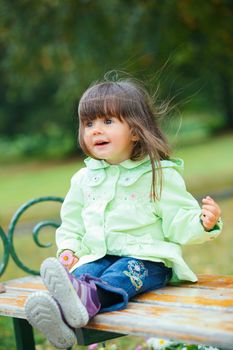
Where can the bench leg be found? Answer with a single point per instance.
(87, 336)
(23, 335)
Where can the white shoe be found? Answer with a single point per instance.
(59, 285)
(43, 313)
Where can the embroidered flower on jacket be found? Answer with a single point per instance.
(133, 196)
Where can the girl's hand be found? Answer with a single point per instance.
(68, 259)
(211, 212)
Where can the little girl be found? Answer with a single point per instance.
(124, 218)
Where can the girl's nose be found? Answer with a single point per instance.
(97, 129)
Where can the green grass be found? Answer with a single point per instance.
(208, 168)
(208, 165)
(22, 182)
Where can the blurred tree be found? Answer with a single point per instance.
(210, 31)
(50, 50)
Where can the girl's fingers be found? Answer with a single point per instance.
(208, 224)
(212, 206)
(211, 212)
(211, 209)
(208, 199)
(208, 220)
(209, 215)
(75, 260)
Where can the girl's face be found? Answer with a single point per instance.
(108, 138)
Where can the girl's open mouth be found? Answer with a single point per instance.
(101, 143)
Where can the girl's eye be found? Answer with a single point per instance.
(108, 121)
(89, 124)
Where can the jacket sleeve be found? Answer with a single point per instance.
(69, 234)
(180, 212)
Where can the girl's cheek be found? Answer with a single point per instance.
(85, 137)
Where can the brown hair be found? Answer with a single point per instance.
(128, 101)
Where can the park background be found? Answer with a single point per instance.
(51, 50)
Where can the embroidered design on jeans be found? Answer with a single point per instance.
(136, 272)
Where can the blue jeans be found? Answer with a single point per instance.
(124, 276)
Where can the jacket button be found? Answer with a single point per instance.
(114, 169)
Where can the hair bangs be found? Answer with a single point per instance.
(109, 106)
(119, 99)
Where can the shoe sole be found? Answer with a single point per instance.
(43, 313)
(58, 283)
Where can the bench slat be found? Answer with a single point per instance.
(185, 297)
(200, 326)
(30, 283)
(210, 281)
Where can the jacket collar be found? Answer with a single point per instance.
(95, 164)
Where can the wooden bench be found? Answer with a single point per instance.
(200, 313)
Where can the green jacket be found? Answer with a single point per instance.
(108, 210)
